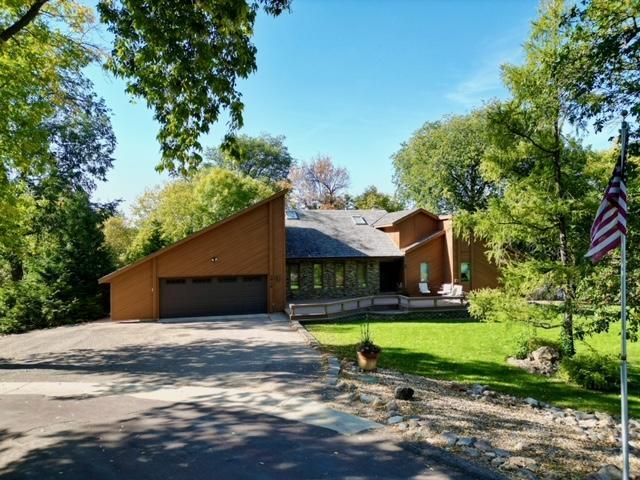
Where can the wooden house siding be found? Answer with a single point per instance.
(250, 243)
(434, 254)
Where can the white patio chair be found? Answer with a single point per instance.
(424, 288)
(445, 289)
(456, 291)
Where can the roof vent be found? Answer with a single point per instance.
(359, 220)
(292, 215)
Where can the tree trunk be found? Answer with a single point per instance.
(17, 270)
(569, 290)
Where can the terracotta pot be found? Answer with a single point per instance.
(368, 362)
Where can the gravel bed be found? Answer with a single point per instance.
(520, 438)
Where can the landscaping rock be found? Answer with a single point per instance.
(543, 361)
(501, 453)
(513, 463)
(482, 445)
(466, 441)
(472, 452)
(449, 437)
(392, 406)
(477, 389)
(366, 398)
(532, 401)
(396, 419)
(403, 393)
(608, 472)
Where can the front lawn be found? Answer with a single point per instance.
(474, 352)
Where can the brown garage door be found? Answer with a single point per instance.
(195, 297)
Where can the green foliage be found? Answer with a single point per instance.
(184, 206)
(500, 305)
(366, 345)
(63, 259)
(600, 61)
(439, 167)
(526, 344)
(187, 88)
(118, 235)
(592, 371)
(372, 198)
(264, 158)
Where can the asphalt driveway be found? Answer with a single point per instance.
(235, 398)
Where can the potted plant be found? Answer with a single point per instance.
(368, 352)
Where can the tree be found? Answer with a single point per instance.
(118, 235)
(538, 229)
(599, 62)
(319, 184)
(439, 167)
(264, 158)
(372, 198)
(184, 59)
(184, 206)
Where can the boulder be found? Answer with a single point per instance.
(608, 472)
(545, 354)
(403, 393)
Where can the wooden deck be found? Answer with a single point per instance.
(393, 302)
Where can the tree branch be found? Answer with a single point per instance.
(22, 22)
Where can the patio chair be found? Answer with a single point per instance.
(456, 291)
(445, 290)
(424, 288)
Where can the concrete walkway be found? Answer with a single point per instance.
(230, 398)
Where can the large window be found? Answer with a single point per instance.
(361, 274)
(317, 275)
(294, 276)
(465, 272)
(339, 272)
(424, 272)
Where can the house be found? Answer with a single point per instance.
(260, 258)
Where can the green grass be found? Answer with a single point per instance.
(473, 352)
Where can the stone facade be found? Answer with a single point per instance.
(307, 291)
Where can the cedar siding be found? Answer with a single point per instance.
(251, 242)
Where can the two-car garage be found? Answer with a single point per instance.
(202, 296)
(234, 267)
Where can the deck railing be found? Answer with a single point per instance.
(402, 302)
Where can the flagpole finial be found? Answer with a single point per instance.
(624, 114)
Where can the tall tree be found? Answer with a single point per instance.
(184, 206)
(183, 58)
(439, 167)
(319, 184)
(264, 158)
(538, 230)
(599, 63)
(372, 198)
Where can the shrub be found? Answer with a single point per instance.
(525, 344)
(593, 371)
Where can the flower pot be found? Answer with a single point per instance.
(368, 362)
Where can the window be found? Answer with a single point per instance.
(359, 220)
(317, 275)
(465, 272)
(294, 276)
(175, 281)
(361, 274)
(292, 215)
(339, 272)
(424, 272)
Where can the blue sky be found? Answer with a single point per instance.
(350, 79)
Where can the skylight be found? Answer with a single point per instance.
(359, 220)
(292, 215)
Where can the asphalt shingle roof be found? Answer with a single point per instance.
(389, 218)
(334, 234)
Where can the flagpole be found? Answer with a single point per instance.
(623, 321)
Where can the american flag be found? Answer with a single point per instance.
(611, 220)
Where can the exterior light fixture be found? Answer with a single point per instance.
(214, 259)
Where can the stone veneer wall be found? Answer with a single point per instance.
(329, 289)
